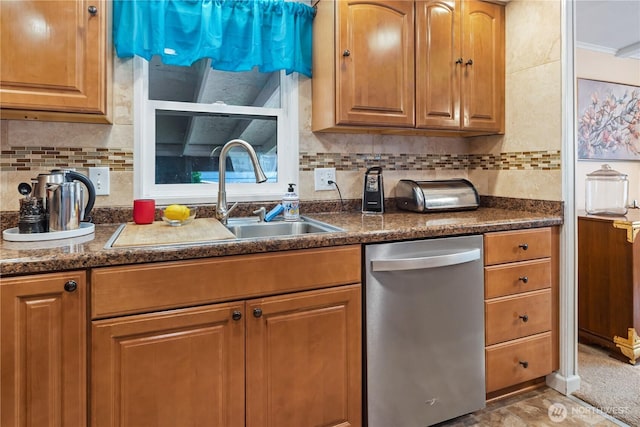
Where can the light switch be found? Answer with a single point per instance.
(99, 176)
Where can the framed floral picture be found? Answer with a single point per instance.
(608, 121)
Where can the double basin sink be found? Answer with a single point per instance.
(251, 228)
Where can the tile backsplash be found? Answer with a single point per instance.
(522, 163)
(20, 163)
(526, 160)
(40, 159)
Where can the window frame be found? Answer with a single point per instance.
(144, 156)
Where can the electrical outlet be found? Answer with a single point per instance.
(99, 176)
(322, 178)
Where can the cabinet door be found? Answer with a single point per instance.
(54, 57)
(375, 63)
(173, 368)
(43, 341)
(304, 359)
(482, 88)
(438, 64)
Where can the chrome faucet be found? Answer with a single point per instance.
(222, 213)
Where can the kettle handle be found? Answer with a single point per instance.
(92, 192)
(374, 169)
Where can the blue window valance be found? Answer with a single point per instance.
(237, 35)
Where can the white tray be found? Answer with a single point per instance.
(13, 234)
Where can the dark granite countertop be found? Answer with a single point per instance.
(89, 251)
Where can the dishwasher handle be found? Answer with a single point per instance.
(425, 262)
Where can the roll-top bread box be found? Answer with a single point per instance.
(437, 195)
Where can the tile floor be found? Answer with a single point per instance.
(533, 409)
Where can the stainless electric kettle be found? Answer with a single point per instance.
(59, 190)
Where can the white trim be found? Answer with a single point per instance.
(140, 87)
(596, 48)
(630, 51)
(144, 130)
(566, 380)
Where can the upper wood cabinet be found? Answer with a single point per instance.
(55, 60)
(374, 56)
(423, 67)
(43, 341)
(460, 65)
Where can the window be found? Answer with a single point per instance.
(183, 117)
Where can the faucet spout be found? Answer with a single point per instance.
(222, 213)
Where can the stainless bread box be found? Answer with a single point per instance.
(436, 196)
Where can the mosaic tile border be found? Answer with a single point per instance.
(40, 158)
(525, 160)
(118, 160)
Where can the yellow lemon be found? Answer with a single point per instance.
(177, 212)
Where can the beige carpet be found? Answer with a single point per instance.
(609, 384)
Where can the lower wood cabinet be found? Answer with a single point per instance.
(286, 359)
(518, 361)
(521, 308)
(43, 342)
(182, 367)
(304, 359)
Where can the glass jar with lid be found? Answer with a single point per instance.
(607, 192)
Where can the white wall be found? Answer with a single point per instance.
(606, 67)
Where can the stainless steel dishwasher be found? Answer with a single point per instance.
(424, 303)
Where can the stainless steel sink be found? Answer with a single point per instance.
(249, 228)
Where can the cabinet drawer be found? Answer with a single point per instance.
(160, 286)
(514, 278)
(509, 318)
(520, 245)
(518, 361)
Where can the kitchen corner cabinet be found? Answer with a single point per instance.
(423, 67)
(252, 340)
(43, 342)
(55, 60)
(521, 308)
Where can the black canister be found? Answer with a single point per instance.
(33, 218)
(31, 224)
